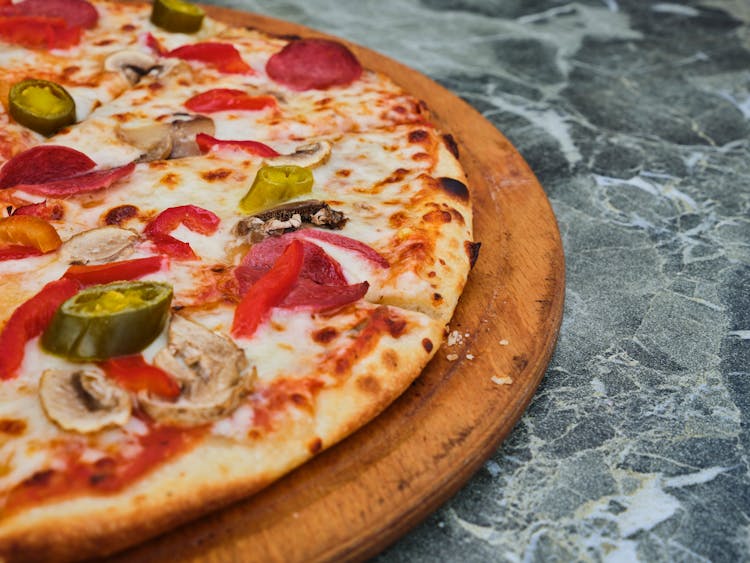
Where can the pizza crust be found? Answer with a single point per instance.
(219, 470)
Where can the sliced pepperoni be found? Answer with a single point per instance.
(75, 13)
(314, 64)
(37, 32)
(42, 164)
(317, 265)
(82, 183)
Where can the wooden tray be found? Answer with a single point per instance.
(356, 498)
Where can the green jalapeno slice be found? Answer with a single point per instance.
(177, 16)
(41, 105)
(103, 321)
(274, 185)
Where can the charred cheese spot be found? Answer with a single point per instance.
(344, 173)
(104, 42)
(427, 345)
(400, 109)
(128, 27)
(70, 70)
(437, 298)
(437, 217)
(157, 164)
(315, 446)
(323, 102)
(396, 326)
(171, 180)
(218, 174)
(119, 214)
(12, 427)
(418, 136)
(390, 359)
(397, 176)
(451, 144)
(472, 251)
(325, 335)
(155, 86)
(369, 384)
(421, 156)
(455, 188)
(398, 219)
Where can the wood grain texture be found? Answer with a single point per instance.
(358, 497)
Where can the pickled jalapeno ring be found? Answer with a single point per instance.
(41, 105)
(177, 16)
(103, 321)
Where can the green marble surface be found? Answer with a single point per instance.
(635, 116)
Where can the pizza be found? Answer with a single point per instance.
(221, 252)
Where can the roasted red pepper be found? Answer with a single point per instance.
(268, 291)
(135, 375)
(226, 99)
(29, 321)
(207, 142)
(42, 210)
(195, 218)
(114, 271)
(17, 252)
(222, 56)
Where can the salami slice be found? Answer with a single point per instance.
(314, 64)
(75, 13)
(43, 164)
(82, 183)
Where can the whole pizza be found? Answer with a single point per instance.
(221, 252)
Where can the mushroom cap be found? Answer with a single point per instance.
(310, 155)
(98, 246)
(131, 63)
(210, 369)
(83, 401)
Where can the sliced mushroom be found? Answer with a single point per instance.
(153, 139)
(132, 64)
(83, 401)
(210, 369)
(159, 141)
(290, 217)
(307, 156)
(98, 246)
(184, 129)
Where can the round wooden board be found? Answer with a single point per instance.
(358, 497)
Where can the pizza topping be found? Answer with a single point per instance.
(38, 32)
(74, 13)
(100, 245)
(177, 16)
(83, 401)
(103, 321)
(276, 184)
(120, 214)
(159, 141)
(306, 156)
(29, 321)
(229, 99)
(132, 64)
(314, 64)
(59, 171)
(360, 248)
(207, 142)
(268, 291)
(195, 218)
(41, 105)
(114, 271)
(221, 56)
(42, 164)
(289, 217)
(42, 210)
(28, 231)
(211, 372)
(135, 375)
(16, 252)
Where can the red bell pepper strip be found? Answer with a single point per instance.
(227, 99)
(222, 56)
(135, 375)
(114, 271)
(155, 45)
(207, 142)
(195, 218)
(42, 210)
(29, 321)
(39, 32)
(268, 291)
(16, 252)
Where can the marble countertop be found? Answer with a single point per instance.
(635, 116)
